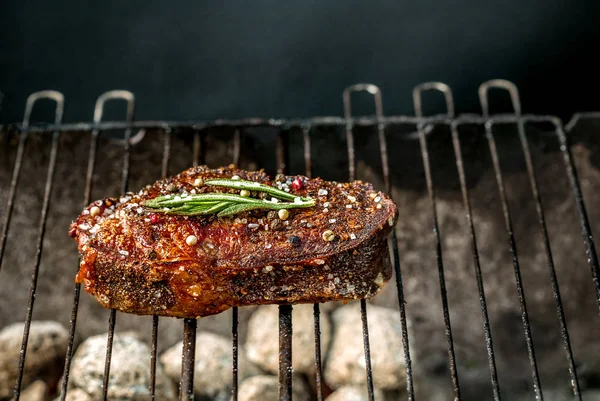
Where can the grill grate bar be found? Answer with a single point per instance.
(285, 353)
(112, 320)
(186, 385)
(288, 123)
(237, 146)
(365, 329)
(511, 239)
(98, 112)
(285, 311)
(59, 99)
(188, 357)
(197, 146)
(76, 293)
(11, 194)
(395, 253)
(557, 297)
(586, 231)
(235, 349)
(316, 307)
(155, 320)
(153, 351)
(437, 239)
(318, 367)
(372, 89)
(445, 90)
(483, 95)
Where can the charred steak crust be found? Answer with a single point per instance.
(137, 260)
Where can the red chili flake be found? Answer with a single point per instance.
(297, 184)
(154, 218)
(73, 232)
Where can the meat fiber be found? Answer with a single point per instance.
(139, 260)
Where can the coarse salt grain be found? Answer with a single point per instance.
(191, 240)
(331, 221)
(253, 225)
(351, 198)
(352, 236)
(326, 204)
(124, 253)
(348, 206)
(322, 192)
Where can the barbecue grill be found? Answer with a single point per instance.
(415, 130)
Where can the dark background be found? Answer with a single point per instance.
(204, 60)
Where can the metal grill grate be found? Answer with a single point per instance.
(349, 122)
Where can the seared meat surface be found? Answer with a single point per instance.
(143, 261)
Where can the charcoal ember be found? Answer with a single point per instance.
(345, 363)
(266, 388)
(129, 370)
(45, 354)
(77, 395)
(36, 391)
(214, 362)
(353, 393)
(263, 338)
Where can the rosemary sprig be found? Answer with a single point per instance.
(227, 204)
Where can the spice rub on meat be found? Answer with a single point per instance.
(142, 260)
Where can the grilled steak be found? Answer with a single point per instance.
(146, 261)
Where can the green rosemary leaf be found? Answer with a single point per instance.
(251, 186)
(226, 204)
(235, 209)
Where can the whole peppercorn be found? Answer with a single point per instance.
(297, 184)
